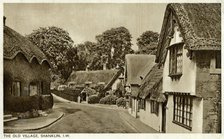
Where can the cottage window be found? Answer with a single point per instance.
(183, 111)
(142, 104)
(16, 88)
(33, 89)
(176, 60)
(215, 66)
(154, 107)
(218, 60)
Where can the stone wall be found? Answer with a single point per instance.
(208, 86)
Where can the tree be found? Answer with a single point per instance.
(87, 52)
(115, 44)
(57, 46)
(147, 42)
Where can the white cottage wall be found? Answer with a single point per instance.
(151, 119)
(187, 82)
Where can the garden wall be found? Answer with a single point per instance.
(69, 94)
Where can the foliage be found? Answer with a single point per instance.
(93, 99)
(147, 42)
(86, 52)
(100, 89)
(110, 49)
(22, 103)
(109, 99)
(57, 46)
(113, 45)
(121, 102)
(68, 93)
(28, 114)
(46, 102)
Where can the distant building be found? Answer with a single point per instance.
(26, 70)
(136, 68)
(189, 51)
(92, 79)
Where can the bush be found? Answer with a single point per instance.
(121, 102)
(110, 99)
(93, 99)
(22, 103)
(46, 102)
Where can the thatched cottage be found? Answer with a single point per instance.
(136, 68)
(151, 99)
(26, 74)
(91, 79)
(189, 51)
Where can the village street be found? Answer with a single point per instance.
(86, 118)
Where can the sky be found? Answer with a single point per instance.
(84, 21)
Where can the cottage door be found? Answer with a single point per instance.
(164, 117)
(33, 89)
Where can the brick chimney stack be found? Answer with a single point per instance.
(4, 19)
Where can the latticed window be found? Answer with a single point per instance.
(154, 107)
(183, 111)
(176, 59)
(142, 104)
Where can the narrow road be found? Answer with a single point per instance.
(85, 118)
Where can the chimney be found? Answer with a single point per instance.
(4, 18)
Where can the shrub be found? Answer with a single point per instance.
(110, 99)
(29, 114)
(121, 102)
(22, 103)
(46, 102)
(93, 99)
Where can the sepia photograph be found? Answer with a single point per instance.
(150, 68)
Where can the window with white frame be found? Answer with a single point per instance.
(176, 59)
(182, 114)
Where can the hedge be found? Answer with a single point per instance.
(93, 99)
(110, 99)
(22, 103)
(46, 102)
(28, 103)
(69, 94)
(121, 102)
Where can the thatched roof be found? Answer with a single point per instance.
(137, 65)
(200, 26)
(151, 83)
(14, 43)
(80, 77)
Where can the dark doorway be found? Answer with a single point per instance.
(84, 96)
(164, 116)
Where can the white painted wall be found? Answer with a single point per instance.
(197, 118)
(133, 109)
(115, 84)
(151, 119)
(187, 82)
